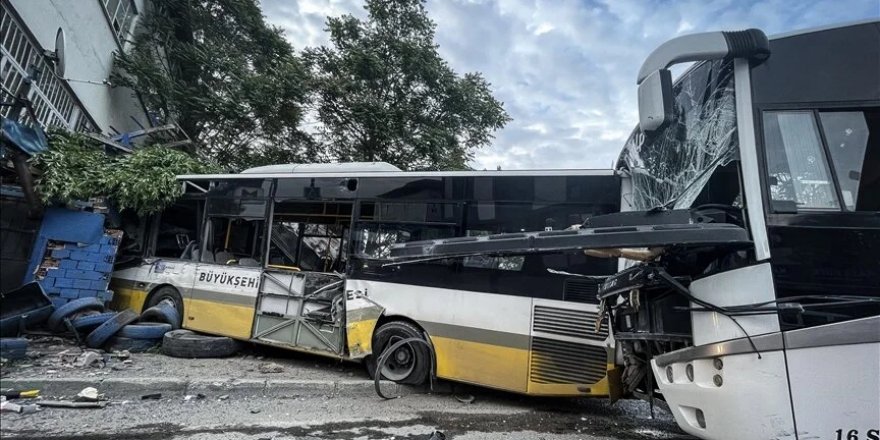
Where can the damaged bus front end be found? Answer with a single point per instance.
(782, 138)
(748, 300)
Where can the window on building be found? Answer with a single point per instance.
(121, 14)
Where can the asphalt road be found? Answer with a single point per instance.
(310, 399)
(415, 416)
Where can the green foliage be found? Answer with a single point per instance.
(76, 168)
(226, 77)
(144, 181)
(380, 91)
(384, 93)
(72, 169)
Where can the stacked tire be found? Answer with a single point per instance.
(125, 330)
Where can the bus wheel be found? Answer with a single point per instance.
(409, 364)
(170, 295)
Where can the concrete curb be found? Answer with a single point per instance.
(134, 388)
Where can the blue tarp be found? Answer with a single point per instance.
(28, 139)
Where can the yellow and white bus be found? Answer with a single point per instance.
(294, 256)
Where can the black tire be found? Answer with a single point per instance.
(414, 363)
(118, 343)
(167, 293)
(87, 322)
(105, 331)
(13, 348)
(165, 312)
(56, 320)
(144, 330)
(188, 344)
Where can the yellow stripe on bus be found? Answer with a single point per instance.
(482, 364)
(219, 318)
(125, 298)
(501, 367)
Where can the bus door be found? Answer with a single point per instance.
(227, 277)
(301, 301)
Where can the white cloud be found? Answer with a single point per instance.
(565, 69)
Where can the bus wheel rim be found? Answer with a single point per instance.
(399, 364)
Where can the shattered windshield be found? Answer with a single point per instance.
(669, 167)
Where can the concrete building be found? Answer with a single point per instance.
(79, 98)
(82, 99)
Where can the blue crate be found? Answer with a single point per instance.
(47, 282)
(85, 265)
(70, 293)
(92, 248)
(104, 267)
(108, 249)
(60, 253)
(82, 284)
(75, 274)
(52, 290)
(89, 293)
(63, 282)
(56, 273)
(72, 246)
(67, 264)
(97, 257)
(80, 255)
(106, 295)
(99, 284)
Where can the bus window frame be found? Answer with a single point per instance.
(760, 142)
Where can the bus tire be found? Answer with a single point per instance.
(119, 343)
(165, 312)
(411, 365)
(56, 320)
(170, 295)
(188, 344)
(144, 330)
(105, 331)
(87, 322)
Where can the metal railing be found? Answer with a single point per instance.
(53, 102)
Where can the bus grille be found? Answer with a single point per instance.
(560, 362)
(581, 290)
(565, 322)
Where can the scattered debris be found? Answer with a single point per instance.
(89, 359)
(437, 435)
(255, 411)
(7, 406)
(16, 394)
(223, 397)
(71, 404)
(464, 398)
(151, 396)
(89, 394)
(271, 367)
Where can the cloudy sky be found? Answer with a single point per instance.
(566, 69)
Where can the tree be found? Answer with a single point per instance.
(232, 82)
(383, 93)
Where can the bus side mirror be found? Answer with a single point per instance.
(655, 100)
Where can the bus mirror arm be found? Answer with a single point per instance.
(655, 80)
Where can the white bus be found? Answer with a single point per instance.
(295, 256)
(751, 303)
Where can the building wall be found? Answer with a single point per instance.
(90, 44)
